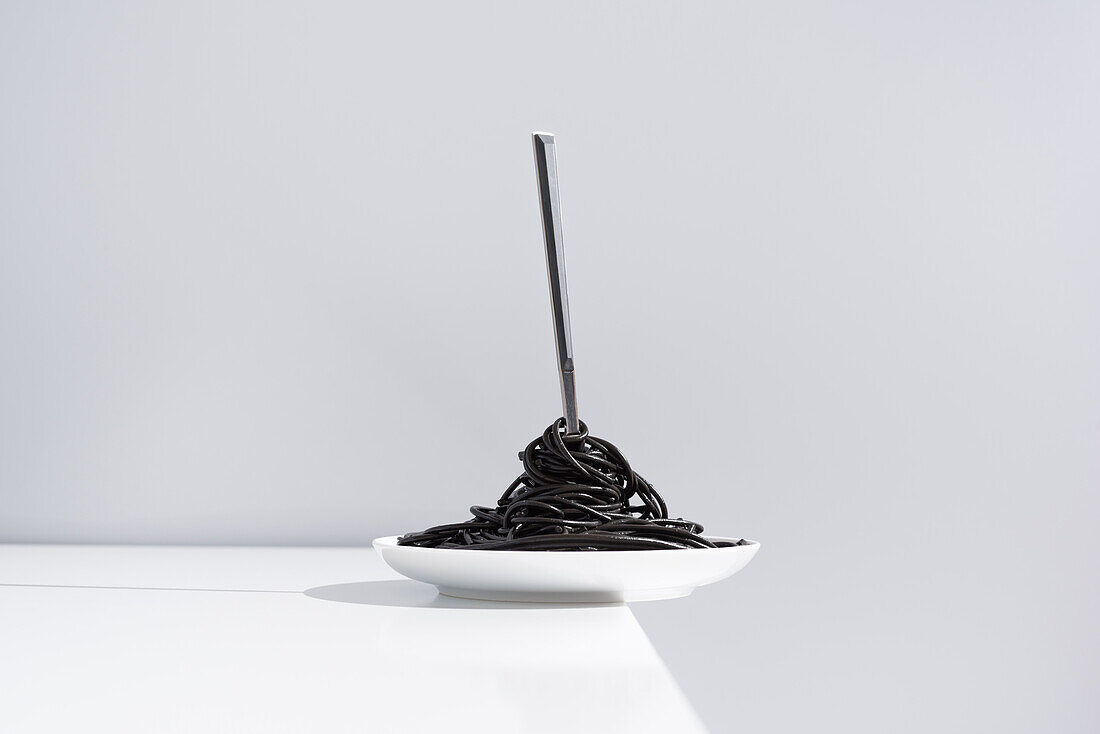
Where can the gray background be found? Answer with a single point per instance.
(272, 273)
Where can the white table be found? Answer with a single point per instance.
(173, 639)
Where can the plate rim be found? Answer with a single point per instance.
(389, 542)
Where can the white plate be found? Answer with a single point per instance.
(572, 576)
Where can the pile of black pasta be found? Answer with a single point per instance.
(575, 493)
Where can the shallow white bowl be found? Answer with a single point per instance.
(568, 576)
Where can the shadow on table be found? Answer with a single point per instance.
(404, 593)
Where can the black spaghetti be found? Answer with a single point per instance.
(576, 493)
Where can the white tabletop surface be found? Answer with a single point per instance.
(172, 639)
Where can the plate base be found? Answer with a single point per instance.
(565, 597)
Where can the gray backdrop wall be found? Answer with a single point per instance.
(272, 273)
